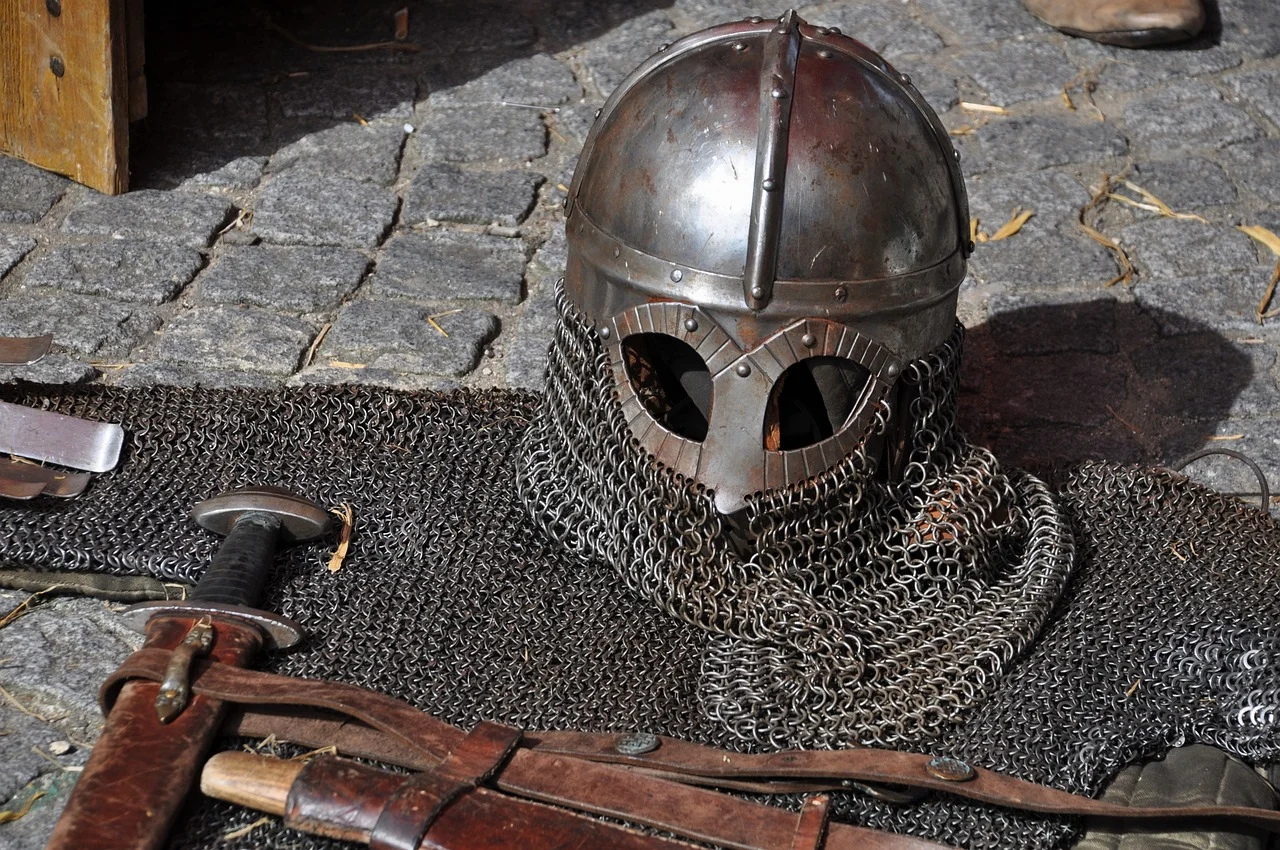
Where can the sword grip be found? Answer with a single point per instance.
(240, 568)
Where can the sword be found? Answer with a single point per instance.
(156, 736)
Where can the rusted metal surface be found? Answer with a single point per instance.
(756, 185)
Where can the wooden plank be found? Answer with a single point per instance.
(64, 101)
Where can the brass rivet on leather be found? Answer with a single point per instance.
(949, 769)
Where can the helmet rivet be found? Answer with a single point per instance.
(768, 184)
(755, 19)
(617, 252)
(971, 246)
(664, 46)
(841, 293)
(949, 769)
(743, 370)
(598, 111)
(605, 333)
(677, 275)
(739, 46)
(905, 79)
(892, 370)
(808, 340)
(831, 31)
(824, 54)
(691, 324)
(757, 292)
(956, 154)
(778, 94)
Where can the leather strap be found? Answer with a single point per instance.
(811, 831)
(414, 806)
(431, 740)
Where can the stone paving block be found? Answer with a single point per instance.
(536, 80)
(372, 93)
(1203, 377)
(1039, 260)
(472, 27)
(241, 173)
(1221, 301)
(183, 375)
(51, 369)
(311, 209)
(1028, 324)
(298, 279)
(1055, 197)
(330, 376)
(979, 21)
(890, 30)
(1039, 448)
(179, 218)
(1123, 69)
(1258, 439)
(126, 270)
(1186, 183)
(446, 193)
(1025, 143)
(1251, 27)
(549, 262)
(370, 154)
(476, 134)
(395, 335)
(609, 58)
(442, 265)
(29, 192)
(937, 86)
(232, 338)
(699, 14)
(1262, 89)
(1014, 71)
(220, 117)
(1072, 388)
(1166, 247)
(13, 247)
(574, 122)
(525, 357)
(1256, 167)
(83, 325)
(1187, 115)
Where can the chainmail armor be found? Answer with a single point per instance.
(869, 613)
(453, 599)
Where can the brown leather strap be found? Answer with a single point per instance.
(811, 831)
(414, 806)
(673, 759)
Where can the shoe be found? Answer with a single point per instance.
(1126, 23)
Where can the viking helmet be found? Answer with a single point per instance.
(766, 223)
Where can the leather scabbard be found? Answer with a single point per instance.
(140, 770)
(584, 771)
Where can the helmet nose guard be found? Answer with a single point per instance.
(767, 222)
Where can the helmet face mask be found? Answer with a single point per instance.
(766, 224)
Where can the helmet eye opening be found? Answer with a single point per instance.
(812, 401)
(671, 381)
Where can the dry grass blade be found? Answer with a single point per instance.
(973, 229)
(1219, 437)
(983, 107)
(1261, 234)
(1153, 204)
(432, 320)
(1117, 251)
(963, 130)
(344, 513)
(344, 364)
(402, 23)
(27, 604)
(330, 750)
(1087, 82)
(406, 46)
(1267, 296)
(1133, 689)
(315, 344)
(1013, 225)
(9, 817)
(245, 830)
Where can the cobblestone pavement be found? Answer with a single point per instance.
(394, 218)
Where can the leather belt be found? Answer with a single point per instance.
(578, 770)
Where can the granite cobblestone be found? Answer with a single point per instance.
(338, 224)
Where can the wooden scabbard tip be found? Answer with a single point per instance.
(248, 779)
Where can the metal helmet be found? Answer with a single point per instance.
(766, 224)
